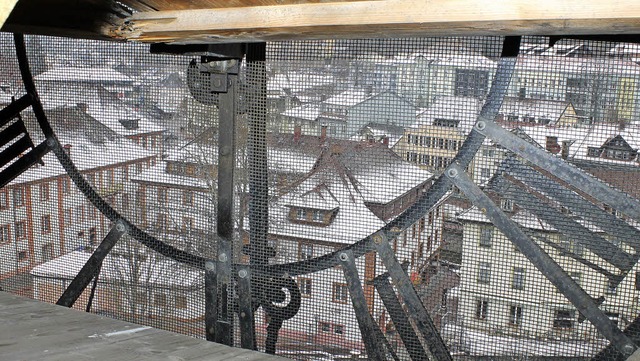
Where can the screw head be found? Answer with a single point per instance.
(377, 239)
(452, 173)
(344, 257)
(209, 266)
(223, 257)
(120, 226)
(481, 125)
(243, 273)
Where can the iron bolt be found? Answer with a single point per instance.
(51, 142)
(344, 257)
(452, 173)
(481, 125)
(223, 257)
(243, 273)
(209, 266)
(120, 226)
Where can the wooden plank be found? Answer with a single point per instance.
(383, 19)
(162, 5)
(32, 330)
(6, 6)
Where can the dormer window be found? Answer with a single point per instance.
(506, 204)
(318, 216)
(301, 214)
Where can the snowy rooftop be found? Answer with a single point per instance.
(578, 65)
(465, 110)
(91, 75)
(307, 112)
(349, 98)
(538, 108)
(153, 272)
(295, 82)
(86, 156)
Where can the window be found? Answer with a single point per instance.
(563, 319)
(305, 286)
(187, 197)
(338, 329)
(484, 272)
(66, 185)
(485, 172)
(159, 300)
(506, 204)
(181, 302)
(162, 195)
(21, 230)
(482, 307)
(518, 278)
(486, 236)
(340, 293)
(325, 327)
(4, 233)
(68, 216)
(44, 192)
(515, 315)
(22, 256)
(4, 200)
(301, 214)
(305, 251)
(187, 223)
(45, 223)
(18, 197)
(161, 222)
(318, 216)
(612, 287)
(48, 252)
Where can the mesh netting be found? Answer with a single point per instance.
(505, 189)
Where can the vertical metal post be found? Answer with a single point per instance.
(257, 152)
(224, 225)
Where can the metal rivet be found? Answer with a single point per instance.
(377, 239)
(209, 266)
(344, 257)
(243, 273)
(452, 173)
(222, 257)
(481, 125)
(243, 315)
(120, 226)
(51, 142)
(628, 349)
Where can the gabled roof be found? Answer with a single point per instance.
(465, 110)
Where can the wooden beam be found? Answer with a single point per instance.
(385, 18)
(6, 6)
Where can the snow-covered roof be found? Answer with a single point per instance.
(585, 66)
(349, 98)
(465, 110)
(336, 192)
(161, 272)
(90, 75)
(307, 112)
(86, 156)
(111, 117)
(586, 136)
(538, 108)
(378, 131)
(295, 82)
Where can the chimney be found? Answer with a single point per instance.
(552, 145)
(67, 149)
(385, 140)
(323, 133)
(297, 133)
(565, 149)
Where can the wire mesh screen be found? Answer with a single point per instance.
(405, 199)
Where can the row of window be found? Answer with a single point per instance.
(162, 222)
(432, 142)
(563, 318)
(517, 276)
(187, 196)
(309, 215)
(339, 291)
(428, 160)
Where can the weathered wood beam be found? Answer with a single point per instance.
(6, 6)
(385, 18)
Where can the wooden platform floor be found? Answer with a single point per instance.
(32, 330)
